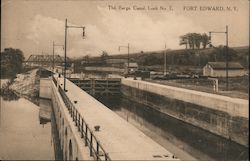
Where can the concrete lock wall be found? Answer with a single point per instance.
(45, 88)
(71, 144)
(220, 115)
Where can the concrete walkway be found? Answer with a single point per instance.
(121, 140)
(233, 106)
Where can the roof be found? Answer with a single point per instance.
(222, 65)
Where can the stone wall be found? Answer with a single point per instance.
(220, 115)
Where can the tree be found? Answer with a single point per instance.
(86, 58)
(11, 62)
(194, 40)
(104, 53)
(184, 40)
(152, 60)
(221, 54)
(188, 40)
(197, 39)
(205, 40)
(104, 56)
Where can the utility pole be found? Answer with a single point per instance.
(54, 53)
(128, 58)
(65, 49)
(165, 62)
(225, 32)
(53, 65)
(65, 54)
(227, 55)
(128, 54)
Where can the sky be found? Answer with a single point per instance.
(33, 25)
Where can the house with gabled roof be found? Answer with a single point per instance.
(218, 69)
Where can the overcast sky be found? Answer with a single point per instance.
(32, 25)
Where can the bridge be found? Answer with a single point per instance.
(90, 131)
(45, 61)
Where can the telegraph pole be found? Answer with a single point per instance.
(53, 65)
(65, 53)
(227, 55)
(128, 58)
(54, 53)
(225, 32)
(165, 63)
(128, 54)
(65, 49)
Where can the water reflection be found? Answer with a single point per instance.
(44, 111)
(199, 143)
(8, 95)
(22, 136)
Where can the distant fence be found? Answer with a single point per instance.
(54, 80)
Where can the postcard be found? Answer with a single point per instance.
(124, 80)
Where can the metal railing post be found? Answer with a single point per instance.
(97, 149)
(82, 129)
(106, 157)
(71, 112)
(76, 117)
(79, 121)
(91, 144)
(86, 135)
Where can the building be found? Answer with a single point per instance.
(132, 67)
(218, 69)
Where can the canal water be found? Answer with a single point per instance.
(184, 140)
(26, 129)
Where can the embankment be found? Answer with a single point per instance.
(4, 83)
(26, 84)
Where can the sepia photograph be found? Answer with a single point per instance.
(124, 80)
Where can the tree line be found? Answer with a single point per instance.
(195, 40)
(190, 57)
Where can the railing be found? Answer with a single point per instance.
(96, 149)
(54, 80)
